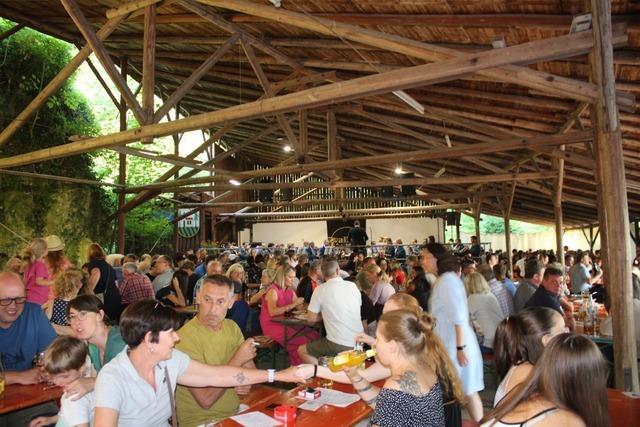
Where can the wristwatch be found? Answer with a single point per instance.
(460, 347)
(271, 375)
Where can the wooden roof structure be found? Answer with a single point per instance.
(504, 111)
(515, 108)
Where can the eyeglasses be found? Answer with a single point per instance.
(7, 301)
(81, 315)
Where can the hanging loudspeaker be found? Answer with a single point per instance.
(286, 194)
(386, 192)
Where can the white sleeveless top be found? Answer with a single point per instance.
(526, 423)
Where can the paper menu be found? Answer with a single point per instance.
(255, 419)
(330, 397)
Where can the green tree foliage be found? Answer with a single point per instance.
(37, 207)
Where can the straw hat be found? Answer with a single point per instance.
(54, 243)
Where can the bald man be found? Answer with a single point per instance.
(25, 332)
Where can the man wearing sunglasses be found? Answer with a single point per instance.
(25, 332)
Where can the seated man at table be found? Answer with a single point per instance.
(549, 291)
(212, 339)
(337, 302)
(136, 286)
(310, 282)
(25, 332)
(533, 272)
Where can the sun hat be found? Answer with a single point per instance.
(54, 243)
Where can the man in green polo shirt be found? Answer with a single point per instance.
(211, 338)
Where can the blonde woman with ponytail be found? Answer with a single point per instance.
(453, 396)
(413, 394)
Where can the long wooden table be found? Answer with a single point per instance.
(17, 396)
(299, 326)
(323, 417)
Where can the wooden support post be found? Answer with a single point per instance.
(55, 84)
(203, 224)
(476, 217)
(557, 207)
(615, 228)
(507, 225)
(122, 160)
(332, 142)
(176, 152)
(303, 134)
(148, 66)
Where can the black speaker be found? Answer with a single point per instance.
(386, 192)
(265, 196)
(453, 218)
(286, 194)
(408, 190)
(240, 223)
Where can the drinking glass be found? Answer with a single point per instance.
(2, 382)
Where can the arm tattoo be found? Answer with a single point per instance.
(409, 383)
(240, 378)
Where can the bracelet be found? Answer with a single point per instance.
(271, 375)
(315, 370)
(460, 347)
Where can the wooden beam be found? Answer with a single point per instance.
(615, 211)
(382, 200)
(11, 31)
(232, 28)
(422, 155)
(133, 6)
(55, 84)
(328, 94)
(104, 84)
(149, 65)
(178, 185)
(266, 86)
(197, 74)
(508, 73)
(64, 179)
(103, 56)
(143, 197)
(507, 20)
(348, 212)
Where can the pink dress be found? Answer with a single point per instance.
(36, 293)
(276, 330)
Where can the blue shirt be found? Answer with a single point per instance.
(511, 287)
(29, 335)
(201, 270)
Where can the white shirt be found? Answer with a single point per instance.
(75, 412)
(120, 387)
(339, 302)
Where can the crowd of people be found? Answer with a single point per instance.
(111, 336)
